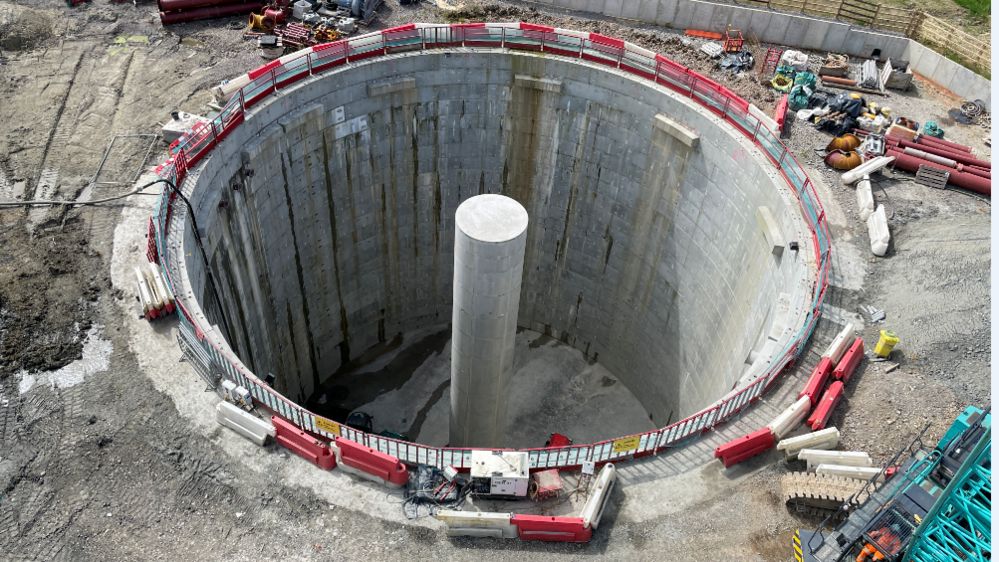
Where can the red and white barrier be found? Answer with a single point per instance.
(745, 447)
(371, 464)
(303, 444)
(817, 381)
(851, 359)
(551, 529)
(826, 405)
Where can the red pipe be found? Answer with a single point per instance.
(947, 162)
(945, 144)
(174, 5)
(209, 12)
(960, 179)
(962, 157)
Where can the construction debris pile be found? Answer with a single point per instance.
(868, 136)
(729, 49)
(315, 22)
(320, 17)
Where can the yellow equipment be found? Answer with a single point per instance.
(886, 343)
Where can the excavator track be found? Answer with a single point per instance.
(818, 494)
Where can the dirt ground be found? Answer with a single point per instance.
(98, 463)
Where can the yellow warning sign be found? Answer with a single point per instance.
(627, 443)
(328, 426)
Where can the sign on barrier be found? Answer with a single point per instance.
(326, 425)
(273, 76)
(626, 444)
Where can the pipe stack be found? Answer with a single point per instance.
(965, 170)
(178, 11)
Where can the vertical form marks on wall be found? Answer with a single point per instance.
(665, 169)
(531, 125)
(299, 327)
(253, 177)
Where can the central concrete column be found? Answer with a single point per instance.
(490, 236)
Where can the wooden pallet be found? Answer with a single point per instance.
(932, 177)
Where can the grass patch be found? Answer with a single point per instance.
(980, 8)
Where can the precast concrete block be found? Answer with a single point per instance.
(666, 12)
(815, 457)
(854, 472)
(613, 8)
(685, 18)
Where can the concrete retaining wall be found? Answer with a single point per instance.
(794, 30)
(643, 251)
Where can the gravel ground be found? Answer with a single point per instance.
(98, 461)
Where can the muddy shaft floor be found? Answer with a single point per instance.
(106, 468)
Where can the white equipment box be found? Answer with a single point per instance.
(507, 473)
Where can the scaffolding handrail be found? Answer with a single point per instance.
(264, 81)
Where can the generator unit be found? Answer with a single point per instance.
(500, 474)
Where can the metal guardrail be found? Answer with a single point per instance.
(270, 78)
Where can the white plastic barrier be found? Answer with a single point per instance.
(790, 418)
(161, 287)
(855, 472)
(865, 198)
(593, 509)
(477, 524)
(840, 344)
(765, 119)
(877, 230)
(869, 167)
(243, 423)
(815, 457)
(824, 439)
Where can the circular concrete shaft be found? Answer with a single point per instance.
(654, 246)
(490, 238)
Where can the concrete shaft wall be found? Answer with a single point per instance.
(328, 218)
(489, 242)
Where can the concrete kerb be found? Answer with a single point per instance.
(285, 104)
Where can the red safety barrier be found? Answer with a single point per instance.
(824, 410)
(302, 444)
(551, 529)
(536, 27)
(405, 27)
(848, 364)
(817, 381)
(780, 115)
(375, 463)
(261, 70)
(609, 41)
(745, 447)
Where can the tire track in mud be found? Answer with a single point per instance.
(47, 180)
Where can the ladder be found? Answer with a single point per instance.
(769, 66)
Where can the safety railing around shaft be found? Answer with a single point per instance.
(281, 73)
